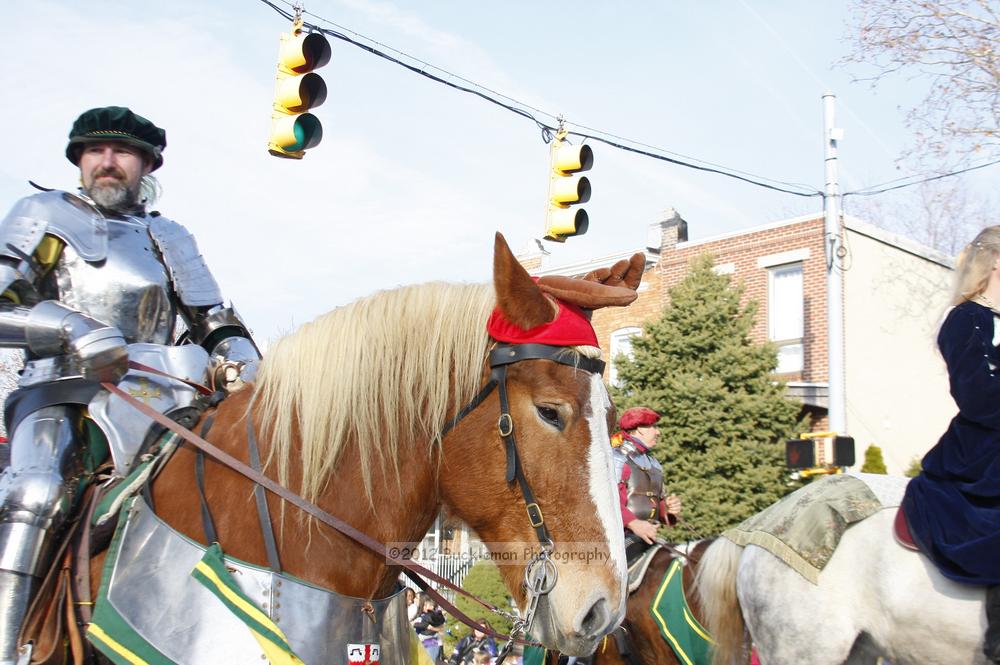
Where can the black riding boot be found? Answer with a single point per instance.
(991, 643)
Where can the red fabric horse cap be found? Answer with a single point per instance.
(570, 328)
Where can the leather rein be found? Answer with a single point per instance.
(540, 573)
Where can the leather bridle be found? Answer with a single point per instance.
(500, 358)
(540, 574)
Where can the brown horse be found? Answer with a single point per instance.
(645, 644)
(351, 413)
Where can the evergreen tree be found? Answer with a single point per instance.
(724, 417)
(873, 461)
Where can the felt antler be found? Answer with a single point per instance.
(605, 287)
(627, 272)
(522, 303)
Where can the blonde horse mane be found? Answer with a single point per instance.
(377, 372)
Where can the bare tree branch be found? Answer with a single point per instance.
(953, 44)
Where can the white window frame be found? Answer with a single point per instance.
(788, 338)
(617, 338)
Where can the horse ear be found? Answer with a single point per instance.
(518, 297)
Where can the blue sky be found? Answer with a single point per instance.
(412, 177)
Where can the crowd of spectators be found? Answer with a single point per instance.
(429, 622)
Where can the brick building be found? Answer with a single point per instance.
(895, 292)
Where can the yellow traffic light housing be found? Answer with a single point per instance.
(566, 189)
(297, 90)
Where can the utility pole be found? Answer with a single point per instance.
(834, 287)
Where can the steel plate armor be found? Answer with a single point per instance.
(150, 582)
(129, 289)
(645, 481)
(79, 286)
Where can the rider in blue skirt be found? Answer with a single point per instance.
(953, 506)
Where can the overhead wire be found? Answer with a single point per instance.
(548, 131)
(418, 60)
(689, 157)
(697, 167)
(519, 107)
(882, 189)
(417, 70)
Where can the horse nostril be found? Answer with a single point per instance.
(596, 620)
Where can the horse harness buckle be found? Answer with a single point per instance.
(505, 425)
(535, 515)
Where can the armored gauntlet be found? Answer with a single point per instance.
(51, 328)
(224, 335)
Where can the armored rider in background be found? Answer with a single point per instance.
(644, 505)
(83, 276)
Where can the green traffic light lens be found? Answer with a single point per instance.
(308, 132)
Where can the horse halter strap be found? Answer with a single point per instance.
(540, 574)
(499, 358)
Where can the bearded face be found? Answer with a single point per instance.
(111, 173)
(111, 190)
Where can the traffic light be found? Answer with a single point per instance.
(800, 454)
(566, 189)
(817, 450)
(843, 451)
(298, 89)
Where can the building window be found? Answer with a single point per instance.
(621, 345)
(785, 315)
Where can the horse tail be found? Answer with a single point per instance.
(716, 585)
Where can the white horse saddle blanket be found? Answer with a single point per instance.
(803, 528)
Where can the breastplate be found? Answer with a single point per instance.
(151, 584)
(645, 486)
(129, 289)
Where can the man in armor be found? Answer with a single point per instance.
(83, 277)
(643, 504)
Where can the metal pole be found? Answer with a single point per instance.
(834, 287)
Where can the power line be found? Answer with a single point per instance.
(697, 167)
(416, 70)
(547, 129)
(524, 110)
(871, 191)
(689, 158)
(411, 57)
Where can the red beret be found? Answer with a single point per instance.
(570, 328)
(639, 416)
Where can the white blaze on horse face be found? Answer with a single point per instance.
(603, 484)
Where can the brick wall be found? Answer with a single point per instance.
(739, 255)
(647, 306)
(743, 252)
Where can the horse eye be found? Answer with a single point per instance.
(549, 415)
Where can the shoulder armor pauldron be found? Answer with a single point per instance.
(66, 216)
(195, 285)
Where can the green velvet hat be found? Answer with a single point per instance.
(116, 123)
